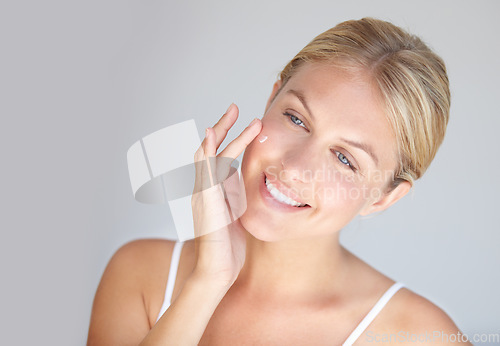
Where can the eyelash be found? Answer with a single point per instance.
(294, 119)
(348, 164)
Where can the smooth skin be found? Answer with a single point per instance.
(275, 277)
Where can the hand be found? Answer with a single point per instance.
(220, 241)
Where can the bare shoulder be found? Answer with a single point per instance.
(149, 260)
(140, 260)
(144, 251)
(410, 318)
(406, 316)
(147, 263)
(128, 288)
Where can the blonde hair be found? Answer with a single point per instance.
(410, 77)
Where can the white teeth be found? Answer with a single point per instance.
(281, 197)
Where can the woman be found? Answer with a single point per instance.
(353, 120)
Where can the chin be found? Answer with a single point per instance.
(260, 230)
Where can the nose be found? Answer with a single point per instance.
(300, 164)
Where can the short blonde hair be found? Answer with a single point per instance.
(411, 79)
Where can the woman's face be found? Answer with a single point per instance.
(326, 144)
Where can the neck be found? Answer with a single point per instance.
(294, 268)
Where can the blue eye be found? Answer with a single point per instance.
(344, 160)
(295, 120)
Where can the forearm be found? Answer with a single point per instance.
(186, 319)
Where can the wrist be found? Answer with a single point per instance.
(209, 284)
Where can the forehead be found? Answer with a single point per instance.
(329, 80)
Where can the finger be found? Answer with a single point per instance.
(209, 147)
(210, 152)
(202, 157)
(225, 123)
(236, 147)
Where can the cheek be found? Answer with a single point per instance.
(253, 156)
(343, 193)
(269, 136)
(262, 138)
(265, 147)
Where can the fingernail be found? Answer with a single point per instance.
(207, 132)
(253, 122)
(229, 108)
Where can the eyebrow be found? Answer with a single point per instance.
(363, 146)
(302, 99)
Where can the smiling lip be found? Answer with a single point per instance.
(270, 201)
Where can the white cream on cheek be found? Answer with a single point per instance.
(262, 138)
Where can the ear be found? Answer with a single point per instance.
(388, 199)
(274, 93)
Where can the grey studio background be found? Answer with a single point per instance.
(81, 81)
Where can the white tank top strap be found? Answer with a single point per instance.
(372, 314)
(172, 275)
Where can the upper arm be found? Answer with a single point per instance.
(119, 314)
